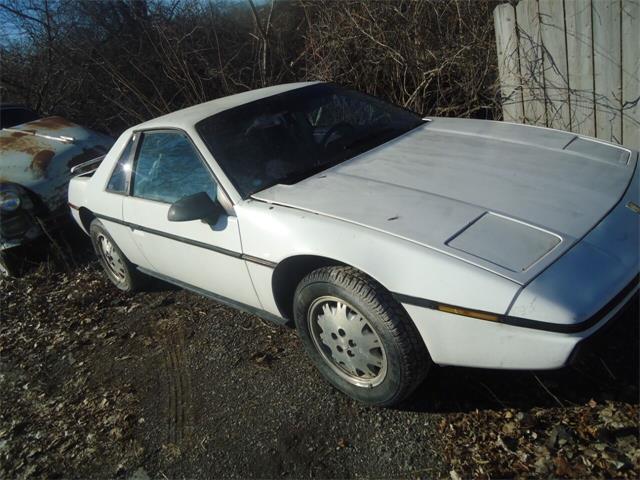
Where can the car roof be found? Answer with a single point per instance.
(188, 117)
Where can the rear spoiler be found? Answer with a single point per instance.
(87, 167)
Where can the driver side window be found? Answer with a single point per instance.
(168, 168)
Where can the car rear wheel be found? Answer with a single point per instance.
(359, 336)
(122, 273)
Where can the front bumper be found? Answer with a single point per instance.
(469, 342)
(623, 323)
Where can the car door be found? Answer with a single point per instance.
(107, 203)
(167, 167)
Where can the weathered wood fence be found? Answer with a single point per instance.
(572, 65)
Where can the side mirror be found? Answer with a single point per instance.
(198, 206)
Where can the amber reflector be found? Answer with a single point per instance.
(468, 313)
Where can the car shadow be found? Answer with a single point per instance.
(606, 369)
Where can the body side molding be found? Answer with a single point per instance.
(523, 322)
(195, 243)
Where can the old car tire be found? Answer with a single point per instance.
(122, 273)
(10, 264)
(359, 336)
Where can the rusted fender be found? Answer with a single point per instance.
(38, 155)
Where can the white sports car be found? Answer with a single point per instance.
(392, 241)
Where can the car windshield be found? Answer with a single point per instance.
(287, 137)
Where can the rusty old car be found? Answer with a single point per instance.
(35, 159)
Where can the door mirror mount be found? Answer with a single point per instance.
(198, 206)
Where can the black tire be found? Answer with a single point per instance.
(407, 358)
(126, 278)
(10, 263)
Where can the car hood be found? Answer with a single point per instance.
(38, 155)
(506, 197)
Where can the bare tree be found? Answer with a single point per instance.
(111, 64)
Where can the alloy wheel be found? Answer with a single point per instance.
(347, 341)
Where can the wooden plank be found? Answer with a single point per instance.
(631, 73)
(580, 65)
(555, 63)
(504, 18)
(607, 63)
(531, 63)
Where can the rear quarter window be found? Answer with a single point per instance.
(119, 181)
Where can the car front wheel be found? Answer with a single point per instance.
(359, 336)
(9, 263)
(122, 273)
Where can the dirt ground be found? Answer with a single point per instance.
(166, 384)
